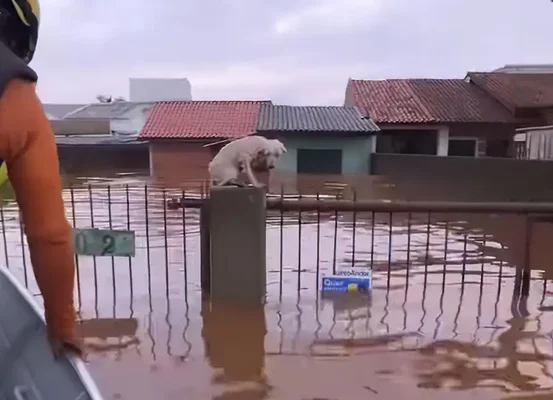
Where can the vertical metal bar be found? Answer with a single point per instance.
(77, 266)
(427, 249)
(500, 277)
(483, 255)
(131, 281)
(409, 216)
(318, 267)
(390, 233)
(354, 226)
(525, 290)
(112, 258)
(147, 221)
(22, 237)
(464, 261)
(445, 253)
(94, 265)
(299, 249)
(281, 248)
(335, 240)
(166, 242)
(4, 237)
(184, 249)
(544, 289)
(372, 239)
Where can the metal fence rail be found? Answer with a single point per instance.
(405, 243)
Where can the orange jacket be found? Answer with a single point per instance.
(27, 145)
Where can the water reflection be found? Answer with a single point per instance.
(462, 365)
(234, 346)
(105, 334)
(228, 351)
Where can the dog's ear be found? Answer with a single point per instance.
(280, 146)
(264, 153)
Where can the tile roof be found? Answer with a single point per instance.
(58, 111)
(408, 101)
(112, 110)
(516, 90)
(201, 119)
(313, 119)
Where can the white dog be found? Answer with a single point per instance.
(241, 155)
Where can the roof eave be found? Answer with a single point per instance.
(365, 132)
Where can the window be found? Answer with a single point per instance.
(407, 142)
(325, 161)
(462, 147)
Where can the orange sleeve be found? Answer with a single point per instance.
(27, 145)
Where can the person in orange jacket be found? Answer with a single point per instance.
(28, 147)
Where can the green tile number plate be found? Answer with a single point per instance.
(103, 242)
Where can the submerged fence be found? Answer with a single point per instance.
(405, 244)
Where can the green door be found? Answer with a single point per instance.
(319, 161)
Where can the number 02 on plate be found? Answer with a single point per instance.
(103, 242)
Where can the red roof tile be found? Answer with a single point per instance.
(516, 90)
(409, 101)
(201, 119)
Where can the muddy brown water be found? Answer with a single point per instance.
(439, 323)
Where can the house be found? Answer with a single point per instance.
(444, 117)
(87, 145)
(58, 111)
(529, 98)
(319, 140)
(185, 135)
(126, 117)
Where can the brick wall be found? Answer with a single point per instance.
(182, 164)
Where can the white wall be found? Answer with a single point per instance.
(159, 89)
(443, 141)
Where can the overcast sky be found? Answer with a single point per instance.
(290, 51)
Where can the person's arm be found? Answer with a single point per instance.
(27, 145)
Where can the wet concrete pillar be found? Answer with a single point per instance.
(237, 244)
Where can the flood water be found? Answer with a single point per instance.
(439, 323)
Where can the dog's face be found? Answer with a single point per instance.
(268, 157)
(263, 161)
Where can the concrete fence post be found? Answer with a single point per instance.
(237, 244)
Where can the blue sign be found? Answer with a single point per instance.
(347, 284)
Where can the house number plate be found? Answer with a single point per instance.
(104, 242)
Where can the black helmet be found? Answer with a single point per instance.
(19, 20)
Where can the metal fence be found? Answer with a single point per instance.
(405, 244)
(444, 275)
